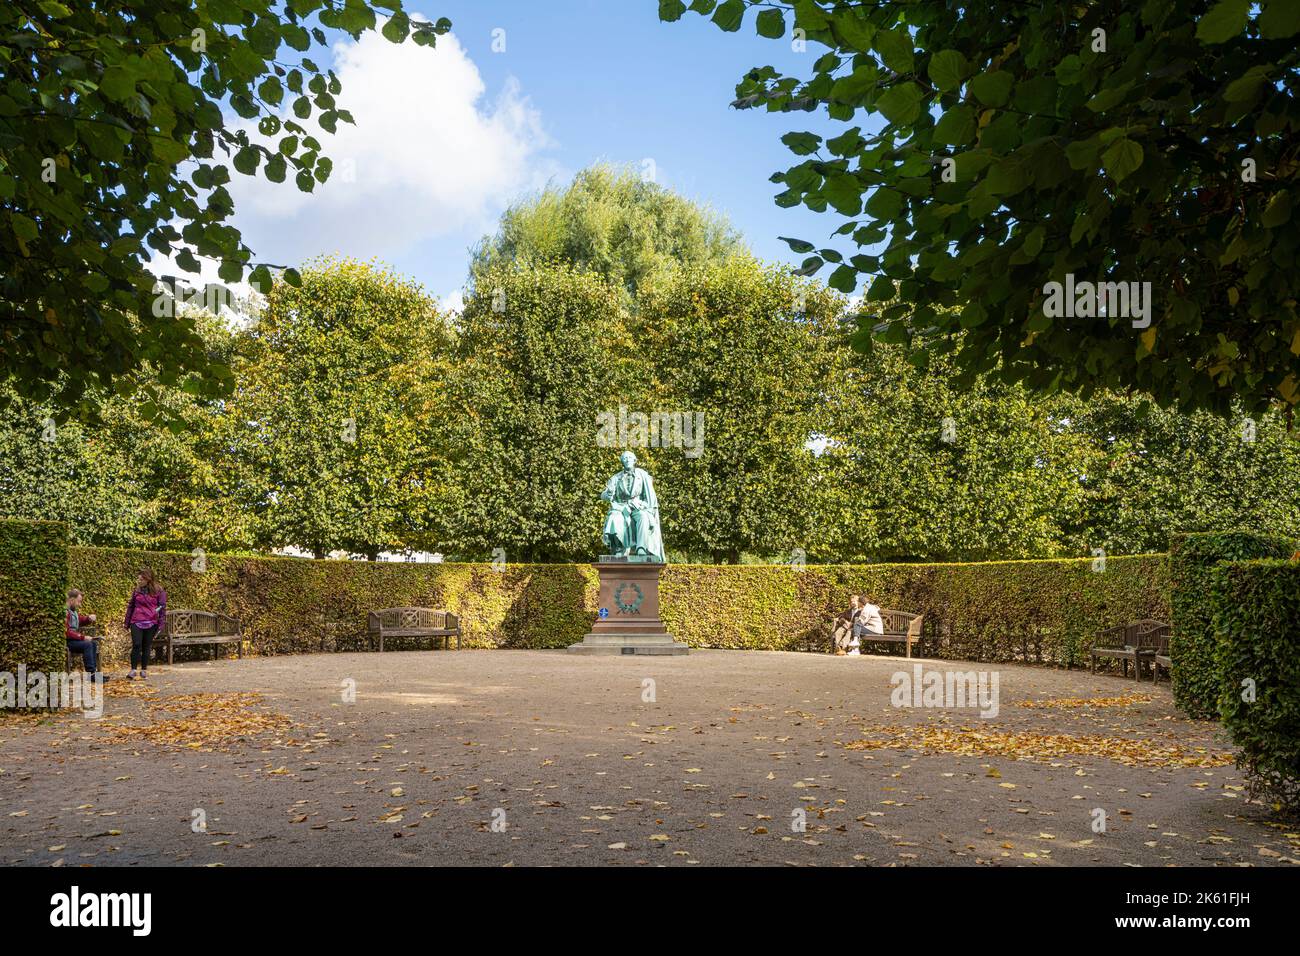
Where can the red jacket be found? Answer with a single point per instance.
(72, 626)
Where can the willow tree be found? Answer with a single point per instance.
(616, 222)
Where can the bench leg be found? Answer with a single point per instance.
(169, 651)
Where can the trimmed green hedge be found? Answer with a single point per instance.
(33, 578)
(289, 605)
(1256, 608)
(1192, 559)
(1036, 611)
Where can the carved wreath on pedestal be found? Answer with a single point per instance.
(625, 606)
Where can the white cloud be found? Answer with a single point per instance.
(453, 301)
(239, 303)
(429, 156)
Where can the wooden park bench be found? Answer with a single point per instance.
(901, 627)
(1137, 641)
(413, 622)
(188, 628)
(1161, 657)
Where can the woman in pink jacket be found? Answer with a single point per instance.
(145, 613)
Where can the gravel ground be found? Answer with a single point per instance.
(539, 757)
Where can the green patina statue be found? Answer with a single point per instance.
(632, 527)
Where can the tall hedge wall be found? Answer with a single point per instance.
(1036, 611)
(1042, 611)
(33, 576)
(1256, 606)
(1192, 559)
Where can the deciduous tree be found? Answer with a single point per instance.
(990, 149)
(340, 390)
(615, 222)
(536, 364)
(119, 122)
(752, 350)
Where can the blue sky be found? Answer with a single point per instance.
(439, 150)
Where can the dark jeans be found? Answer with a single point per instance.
(87, 651)
(141, 644)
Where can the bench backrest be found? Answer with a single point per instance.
(1147, 633)
(185, 622)
(410, 618)
(901, 622)
(1153, 635)
(895, 622)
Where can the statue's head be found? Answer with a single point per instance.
(628, 459)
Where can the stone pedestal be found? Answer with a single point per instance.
(629, 621)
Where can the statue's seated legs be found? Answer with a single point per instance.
(634, 534)
(615, 532)
(626, 532)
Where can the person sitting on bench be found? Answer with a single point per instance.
(78, 643)
(843, 635)
(866, 622)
